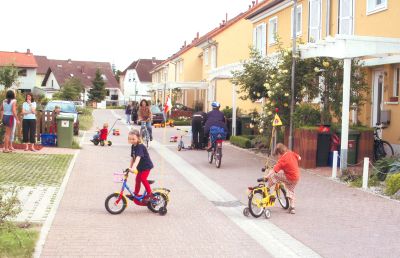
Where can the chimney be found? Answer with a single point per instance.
(69, 61)
(153, 60)
(226, 17)
(197, 35)
(184, 44)
(28, 51)
(253, 2)
(82, 69)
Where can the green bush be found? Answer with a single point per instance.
(392, 184)
(241, 141)
(182, 122)
(250, 137)
(306, 115)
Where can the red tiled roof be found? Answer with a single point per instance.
(85, 71)
(212, 33)
(43, 64)
(24, 60)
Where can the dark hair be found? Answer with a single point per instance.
(10, 95)
(29, 94)
(147, 103)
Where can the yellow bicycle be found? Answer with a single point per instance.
(261, 198)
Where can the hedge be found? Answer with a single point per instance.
(241, 141)
(182, 122)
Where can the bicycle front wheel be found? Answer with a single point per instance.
(112, 206)
(388, 149)
(210, 156)
(282, 198)
(255, 204)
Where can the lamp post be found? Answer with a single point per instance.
(134, 80)
(293, 74)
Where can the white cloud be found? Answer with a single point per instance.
(115, 31)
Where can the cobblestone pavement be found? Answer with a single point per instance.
(332, 219)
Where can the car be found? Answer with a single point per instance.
(158, 116)
(179, 106)
(67, 107)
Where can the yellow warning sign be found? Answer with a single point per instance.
(277, 121)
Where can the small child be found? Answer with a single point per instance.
(140, 161)
(53, 126)
(287, 171)
(104, 132)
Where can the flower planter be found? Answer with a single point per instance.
(365, 145)
(305, 144)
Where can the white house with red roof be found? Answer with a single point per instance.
(59, 71)
(136, 79)
(27, 66)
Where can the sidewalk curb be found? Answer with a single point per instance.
(50, 218)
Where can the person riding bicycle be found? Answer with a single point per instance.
(286, 171)
(198, 120)
(215, 119)
(141, 162)
(146, 116)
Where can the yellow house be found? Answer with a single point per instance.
(320, 19)
(182, 71)
(222, 52)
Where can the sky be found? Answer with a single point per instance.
(115, 31)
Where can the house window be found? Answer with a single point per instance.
(180, 67)
(314, 23)
(22, 73)
(299, 21)
(346, 17)
(52, 83)
(396, 85)
(374, 6)
(260, 38)
(213, 57)
(273, 30)
(206, 56)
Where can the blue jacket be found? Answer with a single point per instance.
(215, 118)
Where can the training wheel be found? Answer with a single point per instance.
(162, 211)
(267, 214)
(109, 143)
(246, 212)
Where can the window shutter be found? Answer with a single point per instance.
(255, 37)
(263, 39)
(346, 17)
(315, 20)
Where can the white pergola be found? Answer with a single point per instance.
(347, 47)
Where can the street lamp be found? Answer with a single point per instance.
(134, 80)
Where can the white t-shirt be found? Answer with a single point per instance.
(28, 109)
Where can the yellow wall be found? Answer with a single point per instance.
(224, 97)
(192, 65)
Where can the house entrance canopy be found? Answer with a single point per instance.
(179, 85)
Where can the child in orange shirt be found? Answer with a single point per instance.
(286, 171)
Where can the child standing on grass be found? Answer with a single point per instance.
(286, 171)
(141, 162)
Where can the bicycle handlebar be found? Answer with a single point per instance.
(261, 180)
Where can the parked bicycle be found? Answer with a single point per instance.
(144, 133)
(382, 148)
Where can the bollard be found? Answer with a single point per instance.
(334, 164)
(365, 173)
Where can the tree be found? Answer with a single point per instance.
(8, 76)
(98, 92)
(70, 90)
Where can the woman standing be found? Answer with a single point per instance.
(8, 114)
(29, 122)
(145, 116)
(128, 112)
(134, 112)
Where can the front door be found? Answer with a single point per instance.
(377, 97)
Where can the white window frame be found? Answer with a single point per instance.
(351, 17)
(372, 7)
(206, 56)
(213, 60)
(260, 38)
(272, 36)
(310, 18)
(396, 81)
(299, 10)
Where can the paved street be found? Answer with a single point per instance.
(204, 216)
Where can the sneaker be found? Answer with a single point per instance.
(292, 210)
